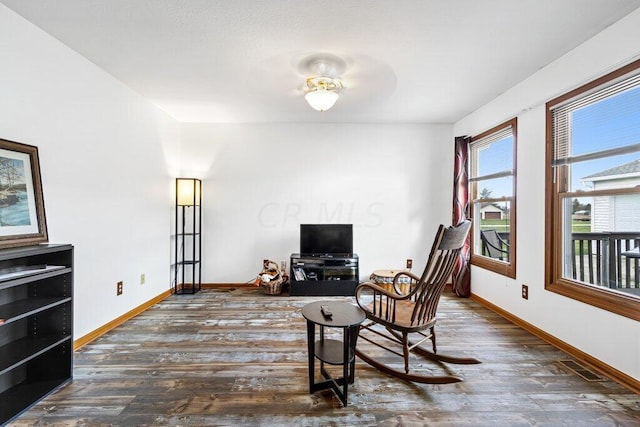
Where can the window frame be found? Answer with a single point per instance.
(504, 268)
(618, 303)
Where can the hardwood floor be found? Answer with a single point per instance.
(237, 357)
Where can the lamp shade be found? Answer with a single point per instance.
(188, 191)
(321, 99)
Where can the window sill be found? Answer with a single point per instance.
(614, 302)
(503, 268)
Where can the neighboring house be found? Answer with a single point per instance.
(581, 216)
(619, 213)
(491, 211)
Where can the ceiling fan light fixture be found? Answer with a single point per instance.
(321, 100)
(322, 92)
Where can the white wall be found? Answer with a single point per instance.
(107, 157)
(392, 182)
(606, 336)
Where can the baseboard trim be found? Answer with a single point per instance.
(595, 364)
(119, 320)
(227, 285)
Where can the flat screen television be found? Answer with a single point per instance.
(326, 239)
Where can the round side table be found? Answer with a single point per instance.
(333, 352)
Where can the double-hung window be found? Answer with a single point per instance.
(593, 193)
(492, 185)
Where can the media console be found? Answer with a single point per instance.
(323, 275)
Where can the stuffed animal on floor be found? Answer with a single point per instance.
(271, 277)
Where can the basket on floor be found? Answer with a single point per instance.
(273, 287)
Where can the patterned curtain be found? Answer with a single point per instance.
(461, 275)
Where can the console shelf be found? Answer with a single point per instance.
(323, 275)
(36, 324)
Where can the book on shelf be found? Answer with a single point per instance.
(299, 274)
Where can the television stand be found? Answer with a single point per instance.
(326, 274)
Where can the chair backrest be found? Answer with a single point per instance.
(442, 259)
(492, 244)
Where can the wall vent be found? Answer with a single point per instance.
(581, 371)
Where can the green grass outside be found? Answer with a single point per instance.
(499, 225)
(581, 226)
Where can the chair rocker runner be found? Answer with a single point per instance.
(414, 313)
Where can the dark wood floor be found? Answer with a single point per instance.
(238, 358)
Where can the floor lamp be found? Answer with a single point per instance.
(188, 240)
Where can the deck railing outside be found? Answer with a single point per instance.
(597, 259)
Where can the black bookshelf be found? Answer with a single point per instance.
(36, 325)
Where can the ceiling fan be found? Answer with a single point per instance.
(323, 78)
(322, 87)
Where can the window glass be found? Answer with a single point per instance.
(492, 179)
(599, 237)
(608, 172)
(493, 236)
(609, 123)
(496, 157)
(495, 188)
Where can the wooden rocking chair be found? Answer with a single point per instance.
(414, 312)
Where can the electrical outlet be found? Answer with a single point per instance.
(525, 292)
(142, 279)
(119, 288)
(409, 263)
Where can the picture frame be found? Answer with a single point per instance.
(22, 216)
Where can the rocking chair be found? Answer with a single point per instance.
(414, 312)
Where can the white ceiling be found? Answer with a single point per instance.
(417, 61)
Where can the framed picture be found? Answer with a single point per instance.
(22, 218)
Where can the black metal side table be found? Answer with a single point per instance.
(333, 352)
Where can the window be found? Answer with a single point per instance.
(593, 193)
(492, 180)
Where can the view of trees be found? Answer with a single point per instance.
(577, 206)
(485, 193)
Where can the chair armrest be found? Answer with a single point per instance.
(382, 304)
(497, 248)
(503, 242)
(376, 288)
(396, 284)
(405, 273)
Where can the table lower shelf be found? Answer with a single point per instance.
(332, 352)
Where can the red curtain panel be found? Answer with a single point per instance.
(461, 275)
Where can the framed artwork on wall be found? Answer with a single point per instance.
(22, 217)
